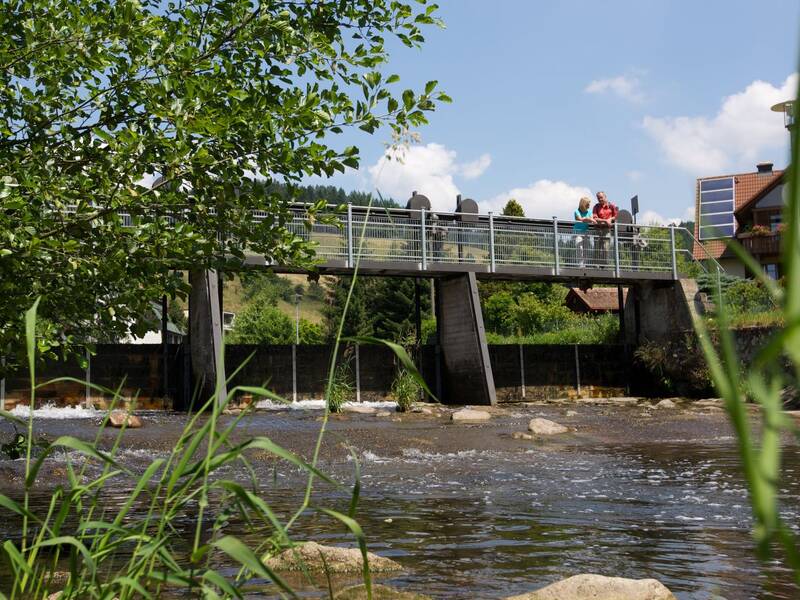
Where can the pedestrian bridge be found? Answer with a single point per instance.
(406, 242)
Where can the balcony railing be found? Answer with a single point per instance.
(761, 245)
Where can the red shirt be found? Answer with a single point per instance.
(609, 211)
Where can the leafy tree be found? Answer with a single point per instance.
(261, 323)
(499, 313)
(97, 97)
(513, 209)
(380, 306)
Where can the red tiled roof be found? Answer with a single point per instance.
(747, 186)
(599, 299)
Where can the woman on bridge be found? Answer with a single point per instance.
(583, 217)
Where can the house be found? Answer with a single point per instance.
(746, 207)
(594, 300)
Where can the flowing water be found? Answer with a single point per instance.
(471, 512)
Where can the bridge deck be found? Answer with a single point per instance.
(401, 242)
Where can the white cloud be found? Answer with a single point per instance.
(651, 217)
(743, 132)
(627, 87)
(476, 168)
(429, 169)
(542, 199)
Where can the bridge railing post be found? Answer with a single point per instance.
(556, 258)
(350, 262)
(616, 250)
(492, 257)
(673, 252)
(423, 240)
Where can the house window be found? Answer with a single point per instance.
(774, 221)
(716, 208)
(772, 271)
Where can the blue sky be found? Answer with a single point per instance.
(552, 100)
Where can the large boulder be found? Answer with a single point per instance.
(469, 414)
(316, 557)
(599, 587)
(379, 592)
(539, 426)
(121, 418)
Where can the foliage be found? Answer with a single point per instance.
(762, 382)
(406, 390)
(675, 366)
(311, 194)
(532, 315)
(261, 322)
(584, 329)
(380, 306)
(513, 209)
(132, 550)
(97, 97)
(341, 388)
(499, 313)
(267, 284)
(748, 301)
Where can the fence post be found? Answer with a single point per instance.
(674, 257)
(88, 399)
(577, 370)
(358, 376)
(3, 383)
(492, 257)
(522, 369)
(616, 250)
(350, 262)
(294, 372)
(556, 259)
(423, 240)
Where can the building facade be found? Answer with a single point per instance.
(746, 207)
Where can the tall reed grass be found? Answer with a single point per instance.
(763, 381)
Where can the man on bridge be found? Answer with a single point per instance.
(604, 214)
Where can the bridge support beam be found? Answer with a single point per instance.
(660, 310)
(468, 375)
(205, 335)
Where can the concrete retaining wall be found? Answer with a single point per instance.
(520, 373)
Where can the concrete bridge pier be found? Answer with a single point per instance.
(660, 310)
(205, 336)
(467, 373)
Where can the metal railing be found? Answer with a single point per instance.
(423, 240)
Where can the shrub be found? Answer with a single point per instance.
(341, 388)
(405, 389)
(262, 323)
(499, 313)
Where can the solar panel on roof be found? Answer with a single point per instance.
(716, 208)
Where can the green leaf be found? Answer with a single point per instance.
(66, 441)
(356, 530)
(238, 551)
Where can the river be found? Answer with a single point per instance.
(471, 512)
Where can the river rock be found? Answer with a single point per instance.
(539, 426)
(469, 414)
(339, 560)
(379, 592)
(571, 413)
(598, 587)
(361, 410)
(521, 435)
(120, 418)
(383, 413)
(665, 403)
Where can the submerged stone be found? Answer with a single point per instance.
(120, 418)
(541, 426)
(361, 410)
(666, 403)
(599, 587)
(316, 557)
(521, 435)
(379, 592)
